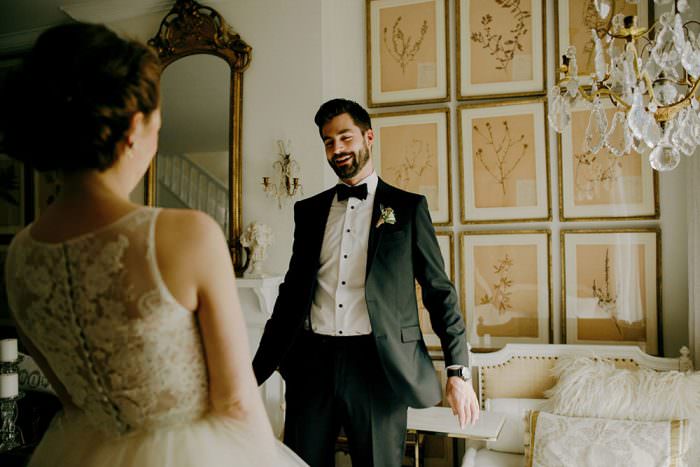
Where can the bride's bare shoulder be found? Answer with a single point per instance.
(186, 224)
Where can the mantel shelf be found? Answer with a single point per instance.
(264, 288)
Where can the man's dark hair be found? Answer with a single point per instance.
(334, 107)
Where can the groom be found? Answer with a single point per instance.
(345, 333)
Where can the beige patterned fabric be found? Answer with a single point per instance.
(594, 442)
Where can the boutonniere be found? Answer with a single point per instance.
(386, 217)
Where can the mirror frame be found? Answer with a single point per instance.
(188, 29)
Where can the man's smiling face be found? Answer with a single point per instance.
(347, 149)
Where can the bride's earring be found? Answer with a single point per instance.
(130, 149)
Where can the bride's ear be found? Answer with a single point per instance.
(136, 124)
(126, 145)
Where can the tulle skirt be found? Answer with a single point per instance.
(211, 441)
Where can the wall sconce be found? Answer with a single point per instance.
(285, 185)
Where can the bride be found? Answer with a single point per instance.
(131, 312)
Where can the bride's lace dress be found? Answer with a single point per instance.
(128, 353)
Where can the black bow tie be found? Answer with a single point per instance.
(345, 191)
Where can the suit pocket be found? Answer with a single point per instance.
(410, 334)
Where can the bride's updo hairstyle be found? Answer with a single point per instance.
(72, 100)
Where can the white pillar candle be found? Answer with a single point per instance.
(8, 350)
(9, 385)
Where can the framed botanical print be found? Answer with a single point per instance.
(500, 48)
(611, 287)
(407, 52)
(446, 243)
(504, 168)
(12, 195)
(506, 287)
(574, 20)
(603, 185)
(412, 152)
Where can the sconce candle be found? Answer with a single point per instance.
(9, 385)
(286, 186)
(8, 350)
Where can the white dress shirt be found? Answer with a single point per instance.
(339, 307)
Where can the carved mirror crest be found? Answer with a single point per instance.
(198, 164)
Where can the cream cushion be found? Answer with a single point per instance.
(589, 387)
(487, 458)
(511, 438)
(595, 442)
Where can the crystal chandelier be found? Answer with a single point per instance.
(651, 82)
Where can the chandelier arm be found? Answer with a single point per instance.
(667, 112)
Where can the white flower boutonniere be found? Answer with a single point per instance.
(386, 217)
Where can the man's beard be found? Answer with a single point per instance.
(357, 163)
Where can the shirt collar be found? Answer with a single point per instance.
(372, 180)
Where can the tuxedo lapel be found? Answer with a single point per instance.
(375, 234)
(317, 218)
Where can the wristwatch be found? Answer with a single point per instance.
(461, 372)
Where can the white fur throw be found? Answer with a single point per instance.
(588, 387)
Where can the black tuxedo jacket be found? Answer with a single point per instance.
(397, 255)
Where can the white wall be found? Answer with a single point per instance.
(308, 51)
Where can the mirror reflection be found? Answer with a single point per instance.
(192, 168)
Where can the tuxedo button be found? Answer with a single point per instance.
(345, 256)
(348, 230)
(352, 207)
(340, 332)
(340, 306)
(342, 283)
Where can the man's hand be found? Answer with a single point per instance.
(461, 397)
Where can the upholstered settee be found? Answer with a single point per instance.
(579, 405)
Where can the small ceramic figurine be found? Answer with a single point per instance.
(255, 239)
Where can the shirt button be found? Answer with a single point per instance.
(340, 306)
(345, 256)
(340, 332)
(352, 207)
(342, 283)
(348, 230)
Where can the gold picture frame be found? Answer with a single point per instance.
(602, 186)
(447, 248)
(515, 67)
(412, 151)
(408, 60)
(579, 31)
(594, 290)
(504, 161)
(506, 287)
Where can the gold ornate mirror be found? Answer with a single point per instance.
(198, 164)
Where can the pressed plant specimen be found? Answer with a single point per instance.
(403, 48)
(605, 297)
(502, 47)
(414, 164)
(502, 155)
(501, 289)
(594, 173)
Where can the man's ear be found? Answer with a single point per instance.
(369, 137)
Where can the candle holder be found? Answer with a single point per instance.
(10, 434)
(286, 185)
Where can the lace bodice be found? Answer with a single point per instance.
(96, 307)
